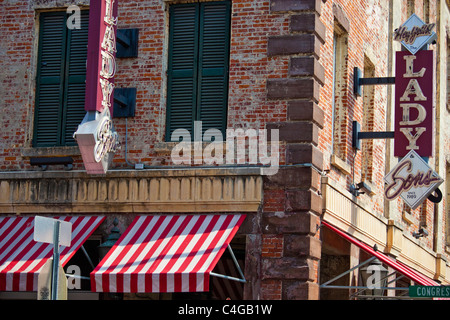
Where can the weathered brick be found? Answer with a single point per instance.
(299, 290)
(305, 111)
(303, 200)
(304, 153)
(307, 66)
(295, 5)
(287, 268)
(302, 246)
(271, 289)
(290, 222)
(293, 44)
(309, 22)
(296, 131)
(293, 89)
(303, 178)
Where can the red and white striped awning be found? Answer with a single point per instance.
(22, 258)
(410, 273)
(166, 253)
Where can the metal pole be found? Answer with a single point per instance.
(326, 284)
(55, 266)
(236, 263)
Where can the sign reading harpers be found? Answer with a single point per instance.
(96, 136)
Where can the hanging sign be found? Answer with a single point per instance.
(414, 98)
(44, 231)
(101, 61)
(414, 34)
(411, 179)
(96, 137)
(97, 140)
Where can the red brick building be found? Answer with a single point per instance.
(285, 65)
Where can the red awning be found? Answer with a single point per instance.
(411, 274)
(166, 253)
(22, 258)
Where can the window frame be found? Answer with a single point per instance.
(196, 107)
(60, 125)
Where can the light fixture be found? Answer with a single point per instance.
(374, 277)
(110, 240)
(422, 233)
(103, 250)
(364, 187)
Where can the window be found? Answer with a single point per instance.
(197, 74)
(447, 203)
(340, 74)
(368, 121)
(60, 80)
(410, 7)
(426, 11)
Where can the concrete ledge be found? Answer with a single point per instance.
(195, 190)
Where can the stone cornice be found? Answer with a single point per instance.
(190, 190)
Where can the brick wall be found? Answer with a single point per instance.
(16, 59)
(280, 77)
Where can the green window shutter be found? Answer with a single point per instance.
(198, 66)
(60, 83)
(182, 68)
(50, 79)
(75, 85)
(213, 65)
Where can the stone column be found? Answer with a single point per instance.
(291, 248)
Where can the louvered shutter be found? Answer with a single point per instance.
(50, 76)
(182, 68)
(75, 85)
(198, 66)
(61, 76)
(213, 65)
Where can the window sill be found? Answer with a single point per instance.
(51, 152)
(341, 165)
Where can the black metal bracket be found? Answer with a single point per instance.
(360, 188)
(124, 102)
(358, 135)
(435, 198)
(44, 162)
(127, 43)
(359, 81)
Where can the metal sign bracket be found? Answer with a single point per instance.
(359, 81)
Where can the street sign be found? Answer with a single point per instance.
(45, 282)
(58, 232)
(44, 229)
(429, 291)
(412, 179)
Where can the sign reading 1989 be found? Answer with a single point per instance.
(429, 291)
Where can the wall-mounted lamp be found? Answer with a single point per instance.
(360, 188)
(374, 276)
(422, 233)
(103, 250)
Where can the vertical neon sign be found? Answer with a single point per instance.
(101, 63)
(96, 137)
